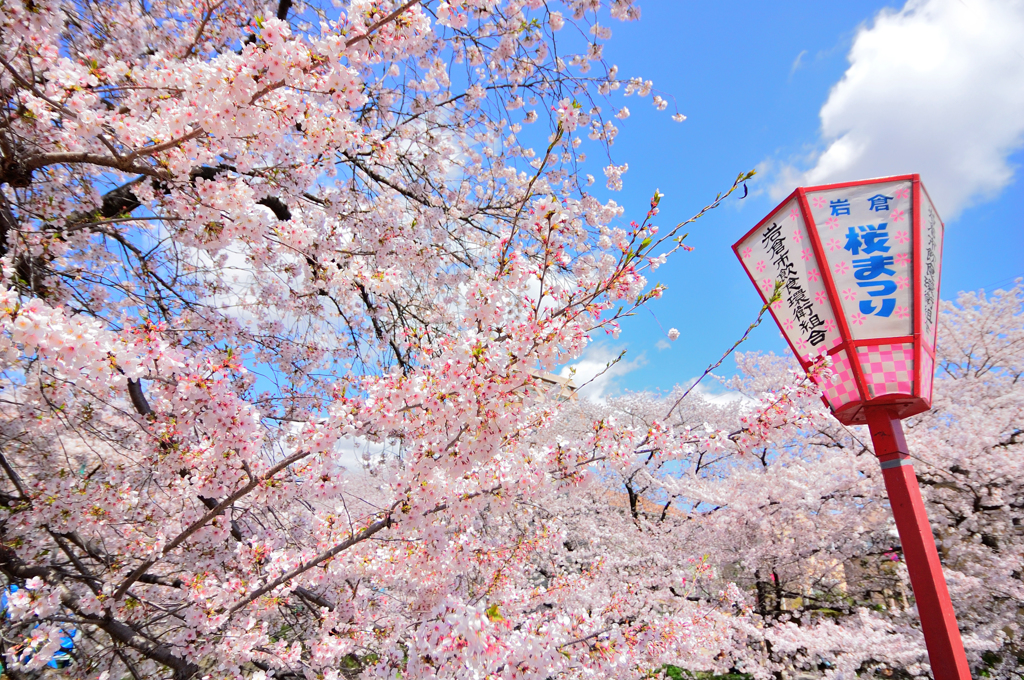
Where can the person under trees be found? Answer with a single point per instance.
(236, 238)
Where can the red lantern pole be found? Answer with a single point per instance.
(938, 622)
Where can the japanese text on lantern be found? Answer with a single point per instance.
(931, 268)
(873, 271)
(865, 232)
(797, 300)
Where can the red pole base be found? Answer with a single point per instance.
(938, 621)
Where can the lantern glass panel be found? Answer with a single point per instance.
(781, 249)
(866, 235)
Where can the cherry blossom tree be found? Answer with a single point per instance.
(774, 497)
(239, 239)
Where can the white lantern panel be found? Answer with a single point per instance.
(929, 268)
(867, 237)
(781, 249)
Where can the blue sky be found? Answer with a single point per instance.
(809, 93)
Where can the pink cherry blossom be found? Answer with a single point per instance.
(794, 214)
(813, 275)
(759, 266)
(283, 311)
(833, 244)
(902, 259)
(902, 193)
(842, 267)
(818, 201)
(902, 312)
(902, 282)
(820, 297)
(901, 237)
(806, 254)
(897, 216)
(832, 222)
(797, 236)
(278, 403)
(857, 319)
(850, 294)
(747, 252)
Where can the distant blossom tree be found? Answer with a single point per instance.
(772, 497)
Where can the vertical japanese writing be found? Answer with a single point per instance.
(930, 268)
(800, 306)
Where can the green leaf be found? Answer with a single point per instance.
(674, 672)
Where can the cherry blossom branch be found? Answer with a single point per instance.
(122, 163)
(13, 476)
(382, 523)
(178, 141)
(207, 15)
(20, 80)
(202, 521)
(164, 146)
(526, 198)
(643, 249)
(373, 27)
(11, 565)
(584, 638)
(375, 527)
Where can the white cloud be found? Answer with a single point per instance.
(935, 88)
(798, 62)
(662, 344)
(594, 375)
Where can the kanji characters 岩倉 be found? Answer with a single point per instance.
(879, 203)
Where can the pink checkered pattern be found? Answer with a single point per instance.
(927, 372)
(844, 389)
(888, 369)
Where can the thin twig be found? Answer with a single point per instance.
(776, 296)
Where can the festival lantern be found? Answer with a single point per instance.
(859, 265)
(860, 269)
